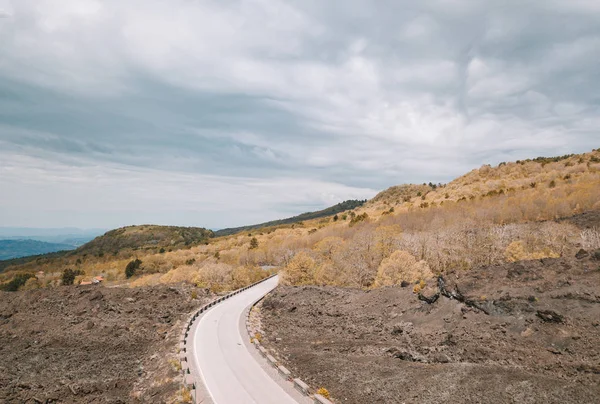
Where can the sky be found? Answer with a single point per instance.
(222, 113)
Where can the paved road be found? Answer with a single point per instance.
(230, 374)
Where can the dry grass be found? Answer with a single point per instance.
(488, 216)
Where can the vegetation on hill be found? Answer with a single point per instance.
(407, 233)
(145, 237)
(152, 254)
(332, 210)
(488, 216)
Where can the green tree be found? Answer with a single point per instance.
(132, 267)
(68, 276)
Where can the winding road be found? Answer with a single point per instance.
(222, 361)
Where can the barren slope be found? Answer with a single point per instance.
(91, 344)
(539, 342)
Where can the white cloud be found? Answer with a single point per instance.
(137, 195)
(348, 98)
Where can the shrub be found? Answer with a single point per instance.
(132, 267)
(300, 270)
(68, 276)
(552, 184)
(419, 286)
(16, 282)
(335, 218)
(516, 251)
(161, 251)
(176, 364)
(253, 243)
(401, 266)
(324, 392)
(32, 283)
(186, 395)
(358, 218)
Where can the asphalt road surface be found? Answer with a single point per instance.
(229, 373)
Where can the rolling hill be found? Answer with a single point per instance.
(145, 237)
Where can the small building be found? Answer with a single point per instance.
(85, 283)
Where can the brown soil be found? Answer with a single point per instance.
(527, 332)
(91, 344)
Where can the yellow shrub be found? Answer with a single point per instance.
(300, 270)
(401, 266)
(176, 364)
(516, 251)
(186, 395)
(419, 286)
(324, 392)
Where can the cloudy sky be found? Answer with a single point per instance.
(220, 113)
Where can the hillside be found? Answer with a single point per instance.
(529, 330)
(145, 237)
(332, 210)
(542, 177)
(10, 249)
(491, 215)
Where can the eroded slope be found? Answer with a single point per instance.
(539, 342)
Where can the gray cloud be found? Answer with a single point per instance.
(244, 111)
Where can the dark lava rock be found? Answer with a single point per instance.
(550, 316)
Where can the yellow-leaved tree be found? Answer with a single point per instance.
(300, 270)
(401, 266)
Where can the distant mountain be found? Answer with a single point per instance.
(10, 249)
(332, 210)
(67, 235)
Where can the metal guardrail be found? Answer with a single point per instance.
(188, 379)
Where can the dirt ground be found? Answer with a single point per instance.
(525, 332)
(91, 344)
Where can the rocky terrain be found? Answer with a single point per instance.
(524, 332)
(92, 344)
